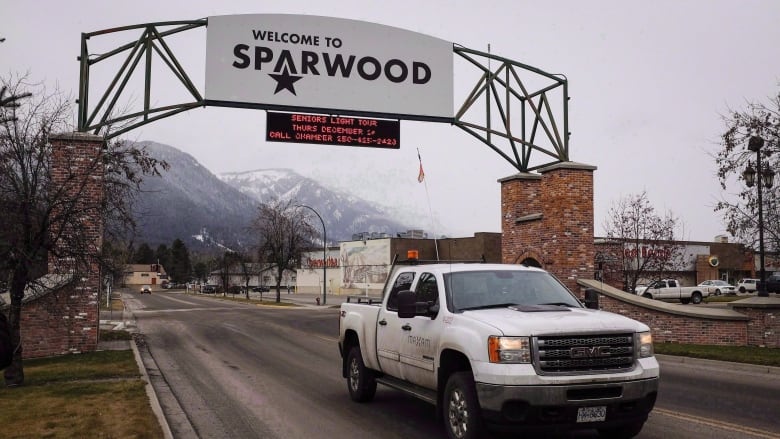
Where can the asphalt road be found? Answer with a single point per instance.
(227, 370)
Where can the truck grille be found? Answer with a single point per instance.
(583, 354)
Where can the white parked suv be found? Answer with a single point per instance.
(747, 286)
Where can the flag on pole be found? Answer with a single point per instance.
(421, 174)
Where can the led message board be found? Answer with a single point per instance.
(332, 130)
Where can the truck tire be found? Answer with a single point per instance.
(742, 290)
(625, 432)
(647, 296)
(461, 412)
(360, 380)
(696, 298)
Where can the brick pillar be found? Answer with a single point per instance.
(548, 218)
(76, 168)
(521, 203)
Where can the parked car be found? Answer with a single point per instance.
(772, 283)
(747, 286)
(146, 289)
(718, 287)
(208, 289)
(261, 289)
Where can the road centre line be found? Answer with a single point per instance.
(718, 424)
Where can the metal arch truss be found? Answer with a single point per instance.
(522, 105)
(513, 108)
(152, 40)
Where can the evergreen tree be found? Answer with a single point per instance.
(144, 255)
(201, 271)
(179, 269)
(162, 256)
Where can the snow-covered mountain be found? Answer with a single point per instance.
(209, 212)
(343, 214)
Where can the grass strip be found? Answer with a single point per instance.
(98, 395)
(736, 354)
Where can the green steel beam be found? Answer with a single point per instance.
(152, 40)
(529, 137)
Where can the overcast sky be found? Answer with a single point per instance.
(649, 82)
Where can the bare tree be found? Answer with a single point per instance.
(10, 101)
(232, 264)
(740, 213)
(645, 242)
(247, 269)
(42, 221)
(283, 233)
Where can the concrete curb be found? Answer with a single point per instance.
(153, 401)
(719, 365)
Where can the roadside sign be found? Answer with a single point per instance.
(332, 130)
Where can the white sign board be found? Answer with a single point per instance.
(327, 64)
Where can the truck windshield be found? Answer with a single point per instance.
(497, 288)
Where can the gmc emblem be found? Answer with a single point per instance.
(593, 352)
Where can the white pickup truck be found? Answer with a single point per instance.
(670, 289)
(500, 347)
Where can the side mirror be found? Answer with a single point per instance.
(407, 307)
(591, 299)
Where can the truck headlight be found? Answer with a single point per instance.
(645, 344)
(509, 349)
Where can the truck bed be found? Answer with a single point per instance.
(366, 300)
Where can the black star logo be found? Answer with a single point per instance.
(285, 81)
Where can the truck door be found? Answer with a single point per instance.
(672, 290)
(388, 327)
(421, 337)
(662, 290)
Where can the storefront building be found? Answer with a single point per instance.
(690, 262)
(360, 267)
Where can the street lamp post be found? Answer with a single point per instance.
(324, 254)
(765, 176)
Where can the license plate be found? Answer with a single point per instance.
(592, 414)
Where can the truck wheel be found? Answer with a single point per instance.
(696, 298)
(360, 381)
(647, 296)
(742, 290)
(462, 417)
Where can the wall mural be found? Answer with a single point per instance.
(364, 263)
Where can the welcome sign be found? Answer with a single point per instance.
(324, 64)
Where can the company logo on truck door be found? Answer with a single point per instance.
(420, 342)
